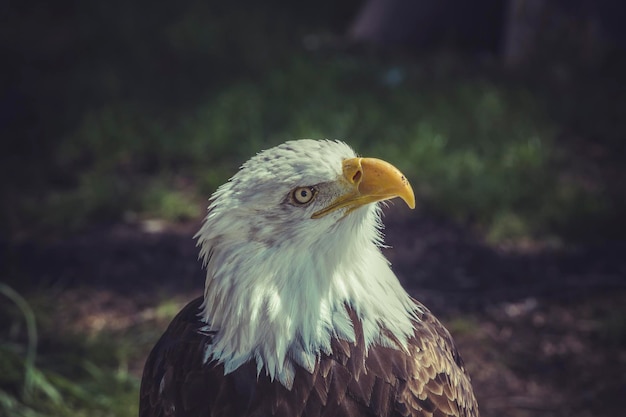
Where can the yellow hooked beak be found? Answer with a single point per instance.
(368, 180)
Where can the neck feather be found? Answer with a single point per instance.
(282, 304)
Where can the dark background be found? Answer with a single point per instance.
(118, 119)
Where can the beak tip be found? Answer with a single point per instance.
(409, 198)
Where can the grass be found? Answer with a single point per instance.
(475, 149)
(60, 371)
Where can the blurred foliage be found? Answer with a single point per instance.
(71, 375)
(130, 109)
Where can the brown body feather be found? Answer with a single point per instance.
(428, 380)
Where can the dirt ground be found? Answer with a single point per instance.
(542, 331)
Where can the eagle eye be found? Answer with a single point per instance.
(303, 195)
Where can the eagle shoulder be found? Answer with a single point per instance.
(437, 382)
(427, 379)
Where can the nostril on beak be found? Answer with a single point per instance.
(356, 178)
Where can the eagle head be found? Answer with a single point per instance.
(290, 241)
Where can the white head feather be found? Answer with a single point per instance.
(278, 281)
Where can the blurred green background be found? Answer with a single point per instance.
(129, 111)
(141, 108)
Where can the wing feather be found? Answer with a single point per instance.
(437, 383)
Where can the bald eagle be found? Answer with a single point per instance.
(302, 314)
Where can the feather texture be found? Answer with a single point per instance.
(302, 314)
(347, 382)
(277, 279)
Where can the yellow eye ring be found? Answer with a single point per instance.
(303, 195)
